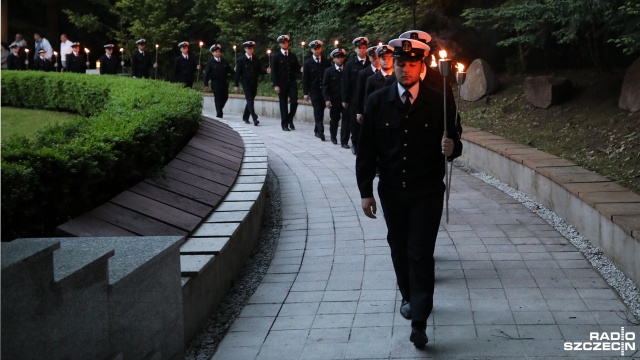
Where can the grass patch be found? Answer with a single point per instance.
(589, 130)
(18, 121)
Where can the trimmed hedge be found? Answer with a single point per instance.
(131, 128)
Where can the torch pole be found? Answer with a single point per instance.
(443, 66)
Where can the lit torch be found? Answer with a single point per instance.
(87, 52)
(444, 65)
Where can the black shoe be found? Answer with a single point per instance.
(354, 150)
(405, 310)
(345, 146)
(246, 121)
(284, 128)
(317, 135)
(256, 122)
(418, 336)
(291, 126)
(322, 137)
(334, 140)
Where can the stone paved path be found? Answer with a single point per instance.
(507, 284)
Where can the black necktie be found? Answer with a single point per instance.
(407, 100)
(285, 54)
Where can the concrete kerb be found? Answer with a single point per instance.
(216, 252)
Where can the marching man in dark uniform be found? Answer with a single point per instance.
(312, 75)
(349, 79)
(75, 60)
(332, 93)
(218, 71)
(184, 66)
(404, 130)
(41, 63)
(13, 59)
(247, 70)
(140, 61)
(284, 75)
(379, 79)
(108, 64)
(361, 83)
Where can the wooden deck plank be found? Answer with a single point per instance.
(182, 188)
(219, 174)
(88, 225)
(157, 210)
(196, 181)
(177, 200)
(210, 163)
(231, 164)
(134, 222)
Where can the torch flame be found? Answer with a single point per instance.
(336, 42)
(433, 61)
(234, 48)
(201, 43)
(460, 67)
(269, 51)
(55, 53)
(121, 49)
(157, 46)
(443, 54)
(302, 43)
(26, 50)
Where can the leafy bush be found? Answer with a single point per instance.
(131, 128)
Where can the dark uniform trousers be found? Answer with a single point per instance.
(247, 72)
(332, 91)
(108, 65)
(411, 187)
(75, 63)
(312, 77)
(140, 64)
(349, 82)
(217, 72)
(184, 70)
(284, 73)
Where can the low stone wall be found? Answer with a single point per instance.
(92, 298)
(601, 210)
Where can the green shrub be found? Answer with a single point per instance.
(131, 128)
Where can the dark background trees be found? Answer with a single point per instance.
(517, 35)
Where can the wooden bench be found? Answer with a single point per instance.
(191, 187)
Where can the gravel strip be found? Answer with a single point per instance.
(625, 287)
(205, 344)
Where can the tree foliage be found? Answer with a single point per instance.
(533, 24)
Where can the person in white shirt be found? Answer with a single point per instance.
(42, 43)
(65, 49)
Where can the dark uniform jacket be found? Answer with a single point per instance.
(350, 77)
(247, 71)
(42, 65)
(184, 70)
(217, 72)
(75, 63)
(376, 82)
(312, 78)
(108, 66)
(140, 64)
(14, 62)
(407, 144)
(332, 85)
(363, 75)
(284, 69)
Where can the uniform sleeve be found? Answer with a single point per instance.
(236, 78)
(326, 79)
(366, 157)
(345, 81)
(207, 73)
(306, 79)
(360, 86)
(275, 72)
